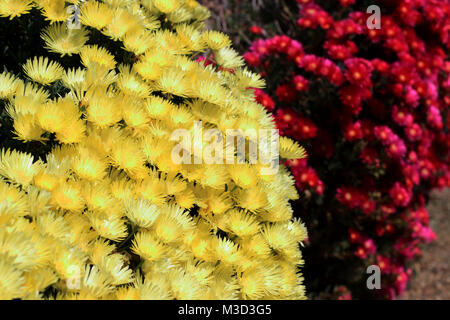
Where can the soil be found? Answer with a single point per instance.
(431, 280)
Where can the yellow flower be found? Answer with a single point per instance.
(68, 196)
(140, 42)
(242, 224)
(171, 223)
(18, 167)
(96, 54)
(167, 6)
(126, 154)
(103, 110)
(73, 132)
(96, 283)
(152, 63)
(114, 265)
(14, 8)
(190, 37)
(141, 212)
(96, 14)
(290, 149)
(173, 81)
(228, 58)
(28, 97)
(27, 129)
(130, 83)
(43, 70)
(75, 80)
(147, 246)
(216, 40)
(56, 115)
(12, 201)
(11, 281)
(54, 10)
(60, 39)
(122, 23)
(244, 175)
(8, 85)
(158, 108)
(89, 165)
(134, 114)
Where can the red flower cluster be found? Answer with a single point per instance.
(354, 198)
(376, 128)
(306, 176)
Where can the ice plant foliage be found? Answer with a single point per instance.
(371, 105)
(106, 213)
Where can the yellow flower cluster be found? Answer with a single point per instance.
(107, 214)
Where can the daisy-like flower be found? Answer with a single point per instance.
(216, 40)
(109, 227)
(167, 6)
(169, 41)
(172, 223)
(136, 116)
(115, 267)
(8, 84)
(68, 196)
(279, 241)
(28, 96)
(12, 281)
(242, 224)
(298, 229)
(141, 212)
(89, 165)
(96, 283)
(146, 245)
(56, 115)
(73, 132)
(252, 199)
(122, 23)
(19, 168)
(43, 70)
(190, 37)
(126, 154)
(173, 81)
(151, 65)
(64, 41)
(27, 129)
(96, 14)
(96, 54)
(158, 108)
(130, 83)
(14, 8)
(139, 42)
(227, 251)
(75, 80)
(102, 109)
(13, 202)
(243, 175)
(55, 10)
(290, 149)
(228, 58)
(248, 79)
